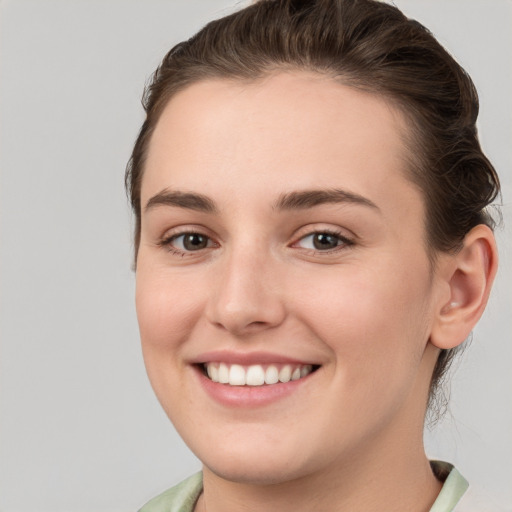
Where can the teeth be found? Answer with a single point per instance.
(305, 370)
(256, 374)
(272, 375)
(223, 373)
(285, 374)
(236, 375)
(213, 372)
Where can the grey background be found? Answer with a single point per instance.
(80, 428)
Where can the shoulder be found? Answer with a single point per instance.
(180, 498)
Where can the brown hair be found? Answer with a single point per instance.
(367, 44)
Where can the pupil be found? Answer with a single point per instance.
(325, 241)
(194, 241)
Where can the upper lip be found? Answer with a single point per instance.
(247, 358)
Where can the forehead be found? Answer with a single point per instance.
(299, 130)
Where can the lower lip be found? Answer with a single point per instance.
(249, 396)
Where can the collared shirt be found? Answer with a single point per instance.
(455, 495)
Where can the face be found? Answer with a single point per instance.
(283, 286)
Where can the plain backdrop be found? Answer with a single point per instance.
(80, 427)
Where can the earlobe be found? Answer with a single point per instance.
(469, 275)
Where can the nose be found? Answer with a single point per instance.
(247, 296)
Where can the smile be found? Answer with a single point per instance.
(256, 374)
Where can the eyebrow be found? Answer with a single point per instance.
(188, 200)
(297, 200)
(304, 199)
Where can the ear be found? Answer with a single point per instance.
(467, 277)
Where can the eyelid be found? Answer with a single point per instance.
(184, 229)
(313, 228)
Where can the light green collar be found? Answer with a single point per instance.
(454, 487)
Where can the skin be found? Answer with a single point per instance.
(370, 312)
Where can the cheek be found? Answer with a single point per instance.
(167, 313)
(167, 308)
(375, 322)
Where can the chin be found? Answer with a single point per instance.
(246, 472)
(257, 464)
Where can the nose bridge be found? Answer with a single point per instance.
(247, 295)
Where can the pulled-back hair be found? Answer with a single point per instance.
(366, 44)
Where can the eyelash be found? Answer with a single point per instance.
(344, 242)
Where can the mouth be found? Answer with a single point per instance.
(255, 374)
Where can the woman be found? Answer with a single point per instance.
(312, 246)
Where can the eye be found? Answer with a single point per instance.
(323, 241)
(188, 242)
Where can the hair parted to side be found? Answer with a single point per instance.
(366, 44)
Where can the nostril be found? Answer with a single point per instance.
(256, 325)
